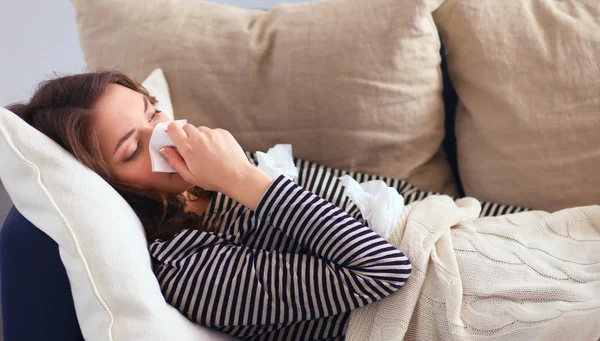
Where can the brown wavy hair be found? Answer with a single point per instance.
(62, 109)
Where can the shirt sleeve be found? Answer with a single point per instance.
(231, 287)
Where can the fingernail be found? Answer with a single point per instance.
(163, 152)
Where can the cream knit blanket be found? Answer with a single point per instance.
(525, 276)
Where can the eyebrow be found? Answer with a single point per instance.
(132, 131)
(123, 139)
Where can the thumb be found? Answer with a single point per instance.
(178, 163)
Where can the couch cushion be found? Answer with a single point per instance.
(527, 75)
(350, 84)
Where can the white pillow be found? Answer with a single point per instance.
(101, 240)
(157, 86)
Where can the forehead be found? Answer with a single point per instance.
(118, 102)
(116, 112)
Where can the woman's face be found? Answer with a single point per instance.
(124, 120)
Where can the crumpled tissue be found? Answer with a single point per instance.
(278, 160)
(160, 139)
(378, 203)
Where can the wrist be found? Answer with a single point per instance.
(248, 186)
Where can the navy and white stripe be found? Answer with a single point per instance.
(293, 269)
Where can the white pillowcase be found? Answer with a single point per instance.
(157, 86)
(101, 240)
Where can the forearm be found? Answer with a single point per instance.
(342, 261)
(248, 186)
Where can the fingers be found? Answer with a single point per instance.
(190, 130)
(178, 163)
(179, 137)
(205, 129)
(196, 132)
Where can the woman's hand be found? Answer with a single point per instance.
(213, 159)
(208, 158)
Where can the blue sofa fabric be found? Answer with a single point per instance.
(36, 295)
(450, 103)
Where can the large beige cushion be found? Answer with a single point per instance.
(528, 76)
(351, 84)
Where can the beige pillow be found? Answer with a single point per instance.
(351, 84)
(528, 76)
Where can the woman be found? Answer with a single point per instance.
(233, 248)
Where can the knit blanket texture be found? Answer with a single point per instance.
(526, 276)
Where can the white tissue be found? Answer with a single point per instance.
(278, 160)
(379, 204)
(160, 139)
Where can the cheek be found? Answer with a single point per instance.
(138, 172)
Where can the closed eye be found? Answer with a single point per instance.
(136, 153)
(156, 112)
(138, 150)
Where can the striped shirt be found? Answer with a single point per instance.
(294, 268)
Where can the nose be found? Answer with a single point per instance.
(145, 134)
(147, 130)
(150, 128)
